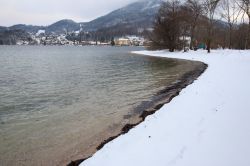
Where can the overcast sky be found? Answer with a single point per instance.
(45, 12)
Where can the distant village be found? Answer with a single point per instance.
(41, 38)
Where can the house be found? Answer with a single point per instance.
(136, 41)
(122, 42)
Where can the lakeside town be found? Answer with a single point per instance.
(41, 38)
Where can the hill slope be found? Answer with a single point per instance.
(62, 26)
(141, 14)
(135, 15)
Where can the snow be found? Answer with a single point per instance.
(208, 124)
(77, 32)
(150, 5)
(39, 32)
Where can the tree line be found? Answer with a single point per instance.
(204, 23)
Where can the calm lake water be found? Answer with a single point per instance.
(57, 103)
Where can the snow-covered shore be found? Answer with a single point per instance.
(208, 124)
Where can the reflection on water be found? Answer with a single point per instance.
(57, 102)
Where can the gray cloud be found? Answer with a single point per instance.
(45, 12)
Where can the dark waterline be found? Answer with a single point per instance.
(57, 103)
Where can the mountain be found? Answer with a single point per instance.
(63, 26)
(140, 14)
(11, 37)
(3, 28)
(27, 28)
(58, 27)
(135, 16)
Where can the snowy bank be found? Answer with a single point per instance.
(208, 124)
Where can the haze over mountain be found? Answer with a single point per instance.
(138, 15)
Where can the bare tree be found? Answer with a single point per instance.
(240, 37)
(210, 6)
(167, 27)
(230, 12)
(193, 10)
(245, 6)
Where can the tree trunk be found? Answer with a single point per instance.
(208, 46)
(248, 35)
(209, 39)
(230, 37)
(192, 39)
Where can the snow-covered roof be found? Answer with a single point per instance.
(39, 32)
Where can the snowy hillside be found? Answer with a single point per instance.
(141, 12)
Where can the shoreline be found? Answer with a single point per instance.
(162, 97)
(207, 124)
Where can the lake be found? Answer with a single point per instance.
(57, 103)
